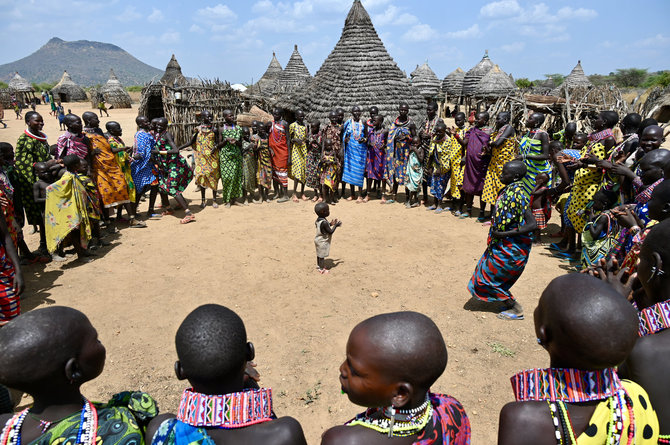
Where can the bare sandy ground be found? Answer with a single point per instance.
(260, 261)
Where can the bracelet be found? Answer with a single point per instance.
(635, 229)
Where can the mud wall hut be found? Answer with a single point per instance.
(68, 91)
(114, 93)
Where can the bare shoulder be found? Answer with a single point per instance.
(525, 423)
(154, 424)
(283, 431)
(344, 435)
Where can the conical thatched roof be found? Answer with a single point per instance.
(68, 91)
(453, 83)
(266, 84)
(20, 85)
(425, 80)
(114, 93)
(294, 76)
(495, 83)
(173, 74)
(359, 71)
(475, 74)
(577, 78)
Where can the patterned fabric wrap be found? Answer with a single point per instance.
(174, 432)
(565, 385)
(428, 130)
(397, 151)
(264, 169)
(329, 171)
(29, 150)
(249, 166)
(72, 144)
(594, 249)
(123, 159)
(440, 155)
(457, 167)
(174, 174)
(108, 176)
(278, 143)
(235, 410)
(312, 175)
(355, 153)
(374, 168)
(298, 151)
(476, 162)
(610, 181)
(586, 184)
(121, 421)
(10, 304)
(532, 146)
(66, 210)
(414, 173)
(230, 161)
(654, 319)
(141, 169)
(206, 172)
(500, 156)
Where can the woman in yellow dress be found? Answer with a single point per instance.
(503, 149)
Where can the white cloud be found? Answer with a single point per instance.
(657, 40)
(374, 4)
(261, 7)
(217, 13)
(420, 33)
(394, 16)
(195, 28)
(468, 33)
(156, 16)
(503, 8)
(170, 37)
(515, 47)
(579, 13)
(129, 14)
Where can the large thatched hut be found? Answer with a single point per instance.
(21, 88)
(425, 81)
(359, 71)
(495, 84)
(68, 91)
(452, 85)
(475, 74)
(114, 94)
(294, 76)
(266, 84)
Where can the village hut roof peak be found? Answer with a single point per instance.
(294, 76)
(452, 85)
(475, 74)
(266, 84)
(495, 83)
(358, 71)
(577, 78)
(173, 74)
(20, 85)
(113, 93)
(69, 90)
(425, 80)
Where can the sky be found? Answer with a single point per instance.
(234, 40)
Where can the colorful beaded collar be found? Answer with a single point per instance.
(565, 385)
(599, 136)
(42, 137)
(395, 422)
(235, 410)
(654, 319)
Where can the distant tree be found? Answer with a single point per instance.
(134, 88)
(44, 86)
(523, 83)
(661, 79)
(3, 85)
(601, 79)
(630, 77)
(557, 78)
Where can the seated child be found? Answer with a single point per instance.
(324, 235)
(540, 203)
(391, 362)
(330, 167)
(588, 329)
(600, 231)
(213, 351)
(53, 351)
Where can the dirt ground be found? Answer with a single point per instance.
(260, 261)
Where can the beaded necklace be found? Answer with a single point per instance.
(396, 422)
(599, 136)
(228, 411)
(86, 434)
(565, 385)
(42, 137)
(654, 319)
(277, 132)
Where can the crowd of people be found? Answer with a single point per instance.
(608, 187)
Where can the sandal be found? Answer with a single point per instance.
(510, 315)
(167, 212)
(431, 208)
(187, 219)
(439, 210)
(464, 215)
(135, 224)
(482, 219)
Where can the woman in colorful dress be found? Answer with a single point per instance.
(174, 174)
(230, 159)
(588, 177)
(374, 169)
(298, 132)
(264, 157)
(204, 143)
(534, 151)
(31, 147)
(249, 183)
(312, 174)
(280, 141)
(400, 136)
(503, 149)
(456, 161)
(355, 153)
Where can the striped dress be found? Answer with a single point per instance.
(530, 146)
(355, 153)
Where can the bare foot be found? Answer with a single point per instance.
(294, 198)
(359, 200)
(228, 205)
(304, 197)
(366, 199)
(215, 205)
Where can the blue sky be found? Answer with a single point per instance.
(234, 40)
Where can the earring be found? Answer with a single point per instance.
(392, 421)
(655, 272)
(539, 342)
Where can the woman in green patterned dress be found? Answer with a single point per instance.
(230, 159)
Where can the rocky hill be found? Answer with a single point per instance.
(87, 62)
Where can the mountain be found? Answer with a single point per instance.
(87, 62)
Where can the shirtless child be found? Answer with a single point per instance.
(324, 235)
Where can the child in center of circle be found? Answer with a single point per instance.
(324, 235)
(391, 362)
(224, 404)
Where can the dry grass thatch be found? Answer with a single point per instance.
(657, 105)
(425, 81)
(5, 98)
(359, 71)
(294, 76)
(20, 85)
(266, 84)
(475, 74)
(114, 94)
(495, 84)
(68, 91)
(452, 85)
(173, 76)
(575, 80)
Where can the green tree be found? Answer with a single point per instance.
(601, 79)
(557, 78)
(523, 83)
(630, 77)
(3, 85)
(44, 86)
(661, 79)
(134, 88)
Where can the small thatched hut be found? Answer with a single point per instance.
(452, 85)
(294, 76)
(173, 75)
(68, 91)
(577, 78)
(359, 71)
(265, 85)
(425, 81)
(657, 105)
(114, 93)
(475, 74)
(495, 84)
(21, 88)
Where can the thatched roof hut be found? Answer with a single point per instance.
(495, 84)
(112, 93)
(266, 83)
(657, 105)
(68, 91)
(21, 88)
(173, 75)
(452, 85)
(424, 79)
(359, 71)
(294, 76)
(5, 98)
(475, 74)
(577, 78)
